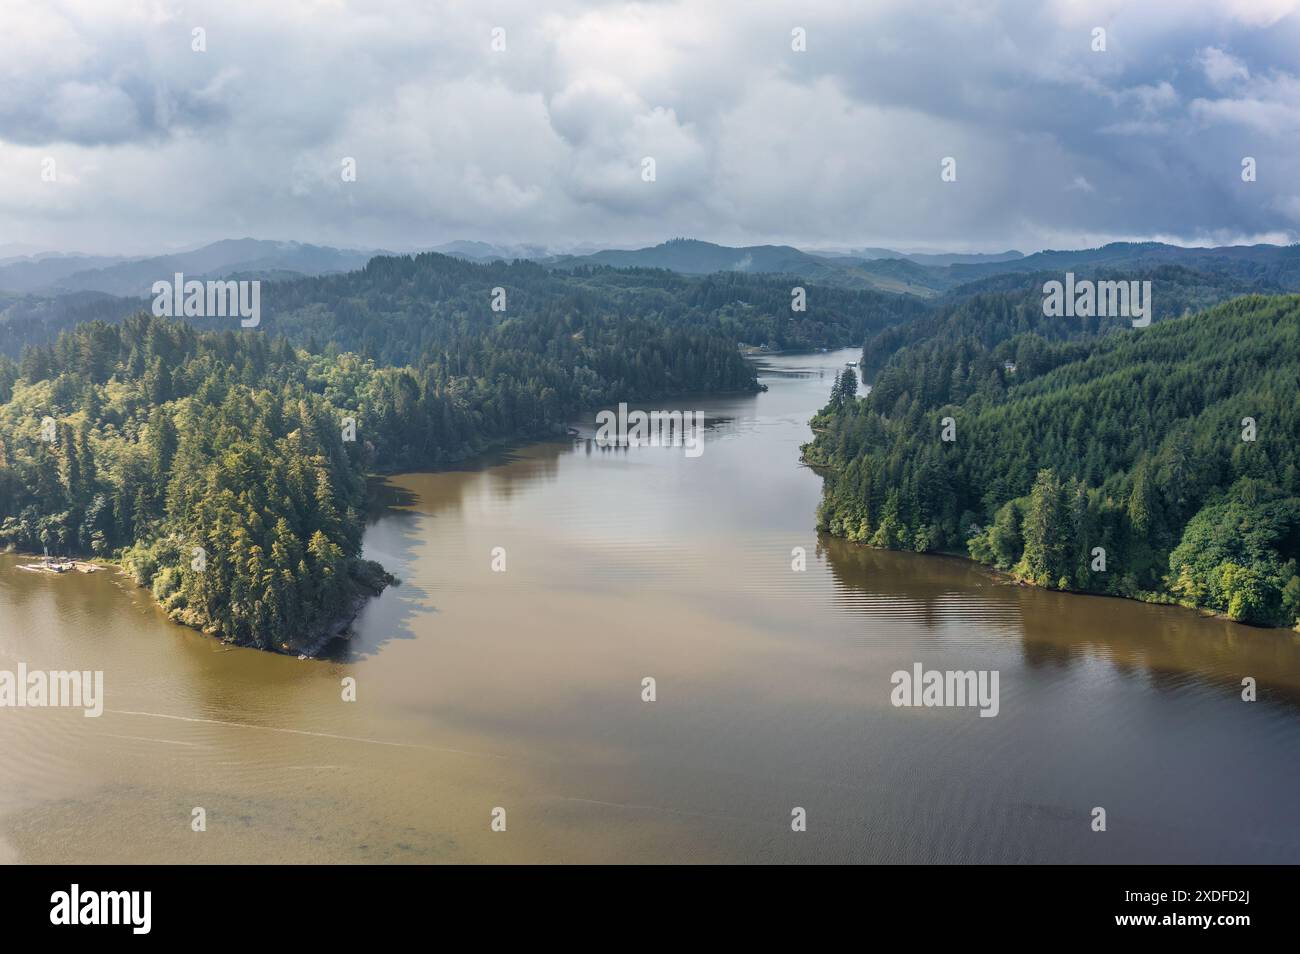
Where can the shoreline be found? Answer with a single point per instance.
(94, 563)
(1006, 578)
(308, 648)
(59, 567)
(561, 434)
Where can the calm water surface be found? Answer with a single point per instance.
(522, 690)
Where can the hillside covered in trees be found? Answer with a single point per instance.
(1159, 463)
(993, 311)
(398, 308)
(148, 439)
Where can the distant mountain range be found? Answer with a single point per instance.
(54, 273)
(930, 275)
(922, 258)
(693, 257)
(484, 252)
(922, 274)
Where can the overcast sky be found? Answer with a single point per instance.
(156, 146)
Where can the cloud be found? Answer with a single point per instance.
(1151, 98)
(1268, 104)
(1222, 69)
(159, 145)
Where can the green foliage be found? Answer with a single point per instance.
(1129, 442)
(1233, 557)
(1045, 533)
(168, 439)
(402, 310)
(1003, 316)
(398, 309)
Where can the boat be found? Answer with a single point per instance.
(46, 566)
(51, 565)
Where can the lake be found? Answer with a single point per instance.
(479, 689)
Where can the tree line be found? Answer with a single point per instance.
(1160, 463)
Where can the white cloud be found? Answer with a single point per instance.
(1265, 104)
(1222, 69)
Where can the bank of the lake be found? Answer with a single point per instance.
(1008, 578)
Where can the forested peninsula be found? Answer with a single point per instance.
(1158, 463)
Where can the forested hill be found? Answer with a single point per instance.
(147, 439)
(995, 310)
(1136, 443)
(398, 309)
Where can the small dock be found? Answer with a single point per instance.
(60, 566)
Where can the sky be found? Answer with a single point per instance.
(529, 122)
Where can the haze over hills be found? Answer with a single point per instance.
(1277, 263)
(475, 251)
(923, 258)
(691, 256)
(925, 274)
(53, 274)
(933, 274)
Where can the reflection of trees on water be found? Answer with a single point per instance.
(938, 590)
(1168, 647)
(794, 372)
(399, 505)
(507, 479)
(383, 496)
(443, 489)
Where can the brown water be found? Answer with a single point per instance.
(522, 690)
